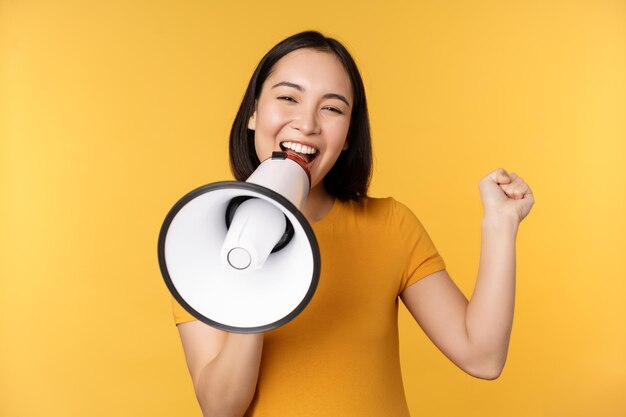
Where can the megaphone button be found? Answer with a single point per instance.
(239, 258)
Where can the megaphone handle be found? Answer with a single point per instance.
(230, 213)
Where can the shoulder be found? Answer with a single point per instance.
(372, 206)
(383, 211)
(380, 206)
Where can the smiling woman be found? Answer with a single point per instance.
(343, 91)
(308, 104)
(340, 356)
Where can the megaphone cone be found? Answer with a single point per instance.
(240, 256)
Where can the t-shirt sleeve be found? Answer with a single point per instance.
(422, 257)
(180, 314)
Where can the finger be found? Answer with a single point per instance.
(515, 180)
(519, 186)
(517, 189)
(529, 196)
(510, 185)
(500, 176)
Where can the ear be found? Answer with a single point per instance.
(345, 146)
(252, 119)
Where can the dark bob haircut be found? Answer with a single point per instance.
(349, 178)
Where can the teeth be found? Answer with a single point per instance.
(297, 147)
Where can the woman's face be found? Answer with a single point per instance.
(305, 105)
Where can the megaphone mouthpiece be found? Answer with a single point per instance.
(287, 174)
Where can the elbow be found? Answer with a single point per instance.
(488, 374)
(221, 408)
(224, 404)
(487, 370)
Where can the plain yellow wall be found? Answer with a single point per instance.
(110, 111)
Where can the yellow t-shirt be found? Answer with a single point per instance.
(340, 356)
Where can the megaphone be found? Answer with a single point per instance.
(240, 256)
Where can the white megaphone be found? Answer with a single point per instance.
(240, 256)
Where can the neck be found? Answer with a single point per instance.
(318, 204)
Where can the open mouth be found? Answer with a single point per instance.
(307, 153)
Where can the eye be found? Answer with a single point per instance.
(287, 98)
(333, 109)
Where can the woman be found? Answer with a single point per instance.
(340, 357)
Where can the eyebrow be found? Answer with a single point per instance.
(301, 89)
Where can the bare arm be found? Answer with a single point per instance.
(224, 367)
(475, 335)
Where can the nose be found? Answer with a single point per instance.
(306, 121)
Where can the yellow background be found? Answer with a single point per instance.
(111, 111)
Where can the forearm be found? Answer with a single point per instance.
(489, 315)
(227, 384)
